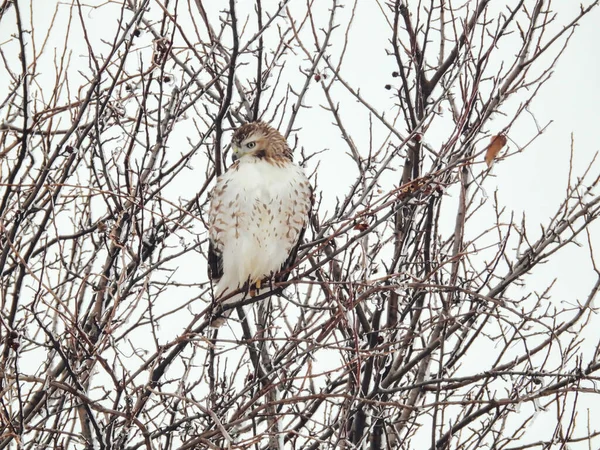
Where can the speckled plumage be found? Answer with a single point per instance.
(258, 210)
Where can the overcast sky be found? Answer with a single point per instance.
(533, 181)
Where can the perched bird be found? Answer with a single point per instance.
(258, 212)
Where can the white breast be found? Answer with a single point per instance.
(257, 212)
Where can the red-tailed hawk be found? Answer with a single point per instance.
(258, 212)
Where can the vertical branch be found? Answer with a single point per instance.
(412, 123)
(259, 57)
(23, 141)
(459, 229)
(275, 438)
(226, 99)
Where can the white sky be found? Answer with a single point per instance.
(533, 181)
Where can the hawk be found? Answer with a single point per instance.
(258, 212)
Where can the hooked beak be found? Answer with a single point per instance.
(235, 155)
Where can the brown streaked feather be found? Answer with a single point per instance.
(284, 271)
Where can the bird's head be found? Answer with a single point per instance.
(259, 140)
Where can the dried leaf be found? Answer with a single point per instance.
(361, 226)
(494, 148)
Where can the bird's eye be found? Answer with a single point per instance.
(251, 144)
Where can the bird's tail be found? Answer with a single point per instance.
(222, 290)
(219, 320)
